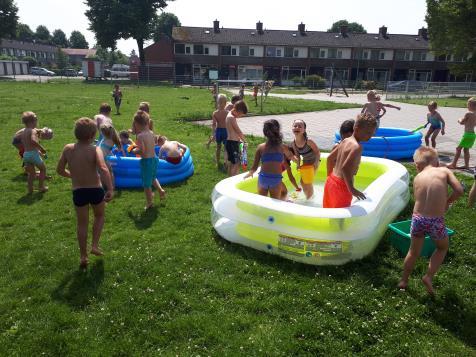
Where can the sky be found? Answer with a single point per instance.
(402, 16)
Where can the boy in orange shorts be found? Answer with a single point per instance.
(343, 164)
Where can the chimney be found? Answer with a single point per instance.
(344, 30)
(302, 29)
(382, 31)
(423, 33)
(216, 26)
(259, 27)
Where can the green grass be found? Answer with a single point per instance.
(456, 102)
(169, 285)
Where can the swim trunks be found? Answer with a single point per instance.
(431, 226)
(233, 151)
(148, 171)
(269, 181)
(467, 141)
(32, 158)
(307, 174)
(220, 135)
(336, 193)
(174, 160)
(88, 196)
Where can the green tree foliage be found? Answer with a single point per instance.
(62, 59)
(24, 33)
(77, 40)
(111, 20)
(31, 61)
(111, 57)
(164, 24)
(59, 39)
(42, 34)
(8, 18)
(352, 27)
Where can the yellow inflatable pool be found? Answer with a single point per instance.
(304, 231)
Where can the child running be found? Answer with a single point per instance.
(307, 148)
(148, 162)
(86, 169)
(436, 122)
(432, 200)
(45, 133)
(219, 125)
(117, 95)
(469, 136)
(374, 106)
(271, 155)
(104, 117)
(32, 151)
(343, 164)
(170, 151)
(234, 135)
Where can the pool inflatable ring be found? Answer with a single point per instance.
(127, 170)
(391, 143)
(311, 234)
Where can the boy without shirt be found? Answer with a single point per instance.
(469, 136)
(430, 188)
(343, 163)
(219, 125)
(234, 135)
(170, 151)
(86, 169)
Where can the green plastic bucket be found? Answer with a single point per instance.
(400, 238)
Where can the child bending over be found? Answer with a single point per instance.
(436, 122)
(86, 169)
(374, 106)
(430, 188)
(469, 136)
(103, 118)
(109, 139)
(234, 135)
(170, 151)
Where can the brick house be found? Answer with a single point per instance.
(77, 55)
(44, 54)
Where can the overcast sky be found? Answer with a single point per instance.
(402, 16)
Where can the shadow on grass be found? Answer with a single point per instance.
(19, 178)
(145, 219)
(29, 199)
(77, 289)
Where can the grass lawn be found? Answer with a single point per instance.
(169, 285)
(456, 102)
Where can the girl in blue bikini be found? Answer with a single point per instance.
(436, 124)
(109, 139)
(271, 155)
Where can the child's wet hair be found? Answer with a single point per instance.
(425, 155)
(347, 127)
(105, 108)
(272, 132)
(109, 132)
(366, 120)
(28, 117)
(241, 107)
(144, 106)
(221, 99)
(433, 104)
(85, 129)
(142, 118)
(160, 138)
(124, 134)
(235, 99)
(303, 123)
(472, 102)
(373, 93)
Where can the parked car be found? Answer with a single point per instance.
(107, 73)
(40, 71)
(80, 73)
(70, 72)
(120, 70)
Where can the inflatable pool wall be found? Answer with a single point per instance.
(312, 235)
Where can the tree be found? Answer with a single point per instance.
(77, 40)
(62, 59)
(42, 34)
(8, 18)
(59, 39)
(111, 57)
(111, 20)
(351, 26)
(164, 24)
(24, 33)
(31, 61)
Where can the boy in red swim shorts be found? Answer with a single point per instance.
(343, 163)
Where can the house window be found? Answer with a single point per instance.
(187, 50)
(407, 55)
(244, 51)
(419, 56)
(314, 53)
(233, 51)
(198, 49)
(206, 51)
(252, 51)
(179, 48)
(374, 55)
(226, 50)
(52, 56)
(296, 53)
(382, 55)
(399, 55)
(332, 53)
(322, 54)
(339, 54)
(288, 52)
(278, 52)
(270, 51)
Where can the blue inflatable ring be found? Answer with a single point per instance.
(391, 143)
(127, 170)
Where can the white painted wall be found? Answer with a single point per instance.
(346, 53)
(212, 49)
(302, 52)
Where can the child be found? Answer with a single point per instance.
(241, 93)
(148, 162)
(374, 106)
(430, 187)
(286, 166)
(127, 145)
(86, 169)
(307, 148)
(125, 139)
(271, 155)
(234, 135)
(346, 130)
(436, 124)
(109, 139)
(32, 150)
(170, 151)
(267, 88)
(117, 95)
(343, 164)
(219, 125)
(214, 92)
(255, 94)
(469, 136)
(103, 118)
(145, 107)
(234, 99)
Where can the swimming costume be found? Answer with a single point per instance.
(148, 171)
(269, 181)
(431, 226)
(220, 135)
(88, 196)
(233, 151)
(435, 123)
(106, 149)
(174, 160)
(336, 193)
(307, 174)
(32, 158)
(467, 141)
(272, 157)
(308, 155)
(16, 141)
(21, 151)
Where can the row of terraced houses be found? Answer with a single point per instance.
(282, 55)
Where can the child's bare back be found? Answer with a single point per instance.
(220, 117)
(348, 158)
(83, 161)
(469, 122)
(30, 139)
(146, 143)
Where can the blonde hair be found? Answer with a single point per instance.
(433, 104)
(472, 102)
(365, 120)
(85, 129)
(221, 99)
(109, 132)
(373, 93)
(425, 155)
(144, 106)
(28, 117)
(160, 138)
(141, 118)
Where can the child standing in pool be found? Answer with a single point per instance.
(346, 130)
(436, 122)
(117, 95)
(271, 155)
(308, 150)
(374, 106)
(234, 135)
(343, 163)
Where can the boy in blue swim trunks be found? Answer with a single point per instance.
(432, 200)
(148, 163)
(219, 126)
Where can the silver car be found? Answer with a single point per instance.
(40, 71)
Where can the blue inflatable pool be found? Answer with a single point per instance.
(391, 143)
(127, 170)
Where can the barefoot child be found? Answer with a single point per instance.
(374, 106)
(241, 92)
(117, 95)
(86, 169)
(469, 136)
(255, 94)
(145, 107)
(432, 200)
(436, 124)
(148, 162)
(346, 130)
(45, 133)
(308, 150)
(32, 150)
(219, 125)
(234, 135)
(104, 117)
(109, 139)
(170, 151)
(230, 105)
(343, 164)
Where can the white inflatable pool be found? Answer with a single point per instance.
(304, 231)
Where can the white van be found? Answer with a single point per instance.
(120, 70)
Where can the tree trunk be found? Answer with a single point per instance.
(140, 45)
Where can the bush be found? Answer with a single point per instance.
(369, 85)
(32, 62)
(298, 81)
(7, 58)
(315, 81)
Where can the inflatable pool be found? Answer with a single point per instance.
(127, 170)
(309, 233)
(391, 143)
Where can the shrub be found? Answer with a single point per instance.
(315, 81)
(369, 85)
(298, 81)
